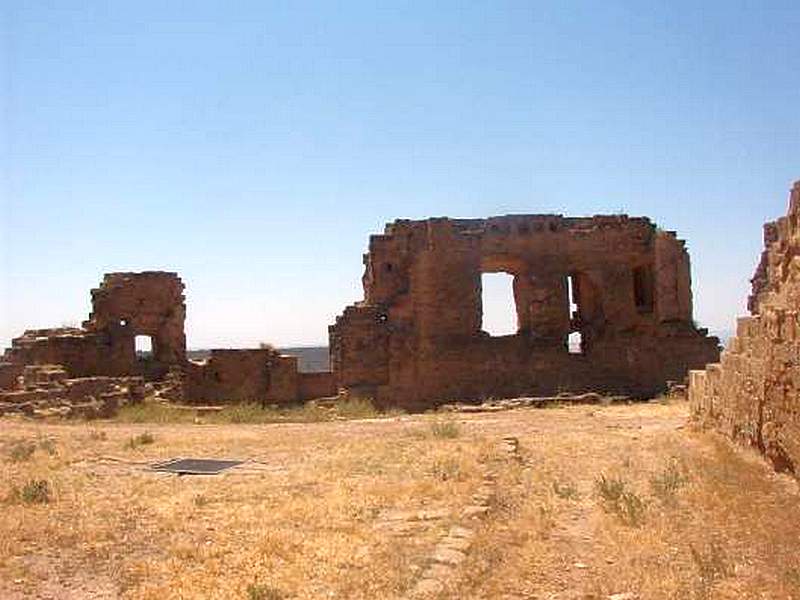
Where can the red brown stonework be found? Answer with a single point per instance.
(752, 393)
(124, 306)
(258, 375)
(416, 339)
(151, 303)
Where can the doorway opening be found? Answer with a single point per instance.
(143, 346)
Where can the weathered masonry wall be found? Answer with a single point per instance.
(319, 384)
(124, 306)
(93, 370)
(259, 375)
(753, 393)
(416, 338)
(152, 304)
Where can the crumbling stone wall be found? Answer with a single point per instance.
(127, 305)
(260, 375)
(10, 374)
(124, 306)
(93, 370)
(47, 390)
(416, 338)
(229, 376)
(319, 384)
(81, 352)
(752, 393)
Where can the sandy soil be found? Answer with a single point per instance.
(360, 509)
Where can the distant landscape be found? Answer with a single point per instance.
(311, 359)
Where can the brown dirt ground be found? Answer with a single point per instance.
(354, 509)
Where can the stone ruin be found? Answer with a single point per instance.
(752, 393)
(126, 305)
(416, 339)
(92, 370)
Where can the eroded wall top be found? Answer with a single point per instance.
(124, 306)
(627, 267)
(777, 277)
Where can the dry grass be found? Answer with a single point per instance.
(142, 439)
(447, 429)
(616, 498)
(33, 491)
(21, 450)
(252, 413)
(303, 519)
(652, 509)
(314, 513)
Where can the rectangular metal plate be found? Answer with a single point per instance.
(195, 466)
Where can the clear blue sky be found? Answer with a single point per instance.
(254, 146)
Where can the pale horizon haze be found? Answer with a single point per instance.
(253, 147)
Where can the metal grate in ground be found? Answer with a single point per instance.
(195, 466)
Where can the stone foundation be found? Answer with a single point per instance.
(46, 390)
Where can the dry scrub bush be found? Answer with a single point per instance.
(244, 413)
(445, 429)
(666, 484)
(356, 408)
(34, 491)
(252, 413)
(566, 490)
(261, 591)
(617, 499)
(21, 451)
(48, 446)
(153, 412)
(446, 469)
(712, 566)
(143, 439)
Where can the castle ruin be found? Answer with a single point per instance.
(417, 340)
(96, 368)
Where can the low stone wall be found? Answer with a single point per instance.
(252, 375)
(228, 376)
(316, 385)
(753, 393)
